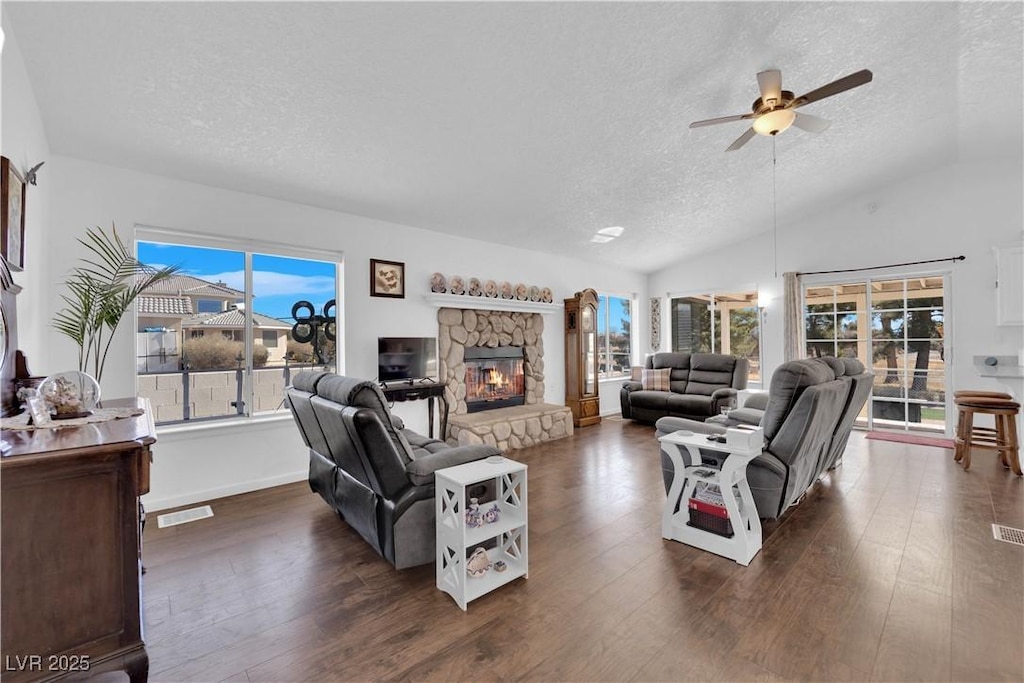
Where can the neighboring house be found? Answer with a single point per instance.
(166, 303)
(184, 307)
(270, 332)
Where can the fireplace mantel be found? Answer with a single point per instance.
(483, 303)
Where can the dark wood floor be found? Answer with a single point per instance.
(886, 571)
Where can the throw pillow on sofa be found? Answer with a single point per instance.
(656, 380)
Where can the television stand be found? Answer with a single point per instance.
(428, 389)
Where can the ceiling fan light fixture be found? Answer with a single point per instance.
(601, 239)
(614, 231)
(774, 122)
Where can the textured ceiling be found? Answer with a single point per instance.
(526, 123)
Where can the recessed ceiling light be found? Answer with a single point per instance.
(601, 239)
(613, 231)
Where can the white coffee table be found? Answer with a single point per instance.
(746, 538)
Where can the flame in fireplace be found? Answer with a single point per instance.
(493, 381)
(496, 378)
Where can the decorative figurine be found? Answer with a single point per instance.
(492, 515)
(474, 287)
(491, 289)
(473, 516)
(456, 285)
(506, 290)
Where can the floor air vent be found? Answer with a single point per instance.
(1008, 534)
(184, 516)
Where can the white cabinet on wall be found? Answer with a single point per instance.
(1010, 285)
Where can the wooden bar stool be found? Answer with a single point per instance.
(982, 394)
(1001, 438)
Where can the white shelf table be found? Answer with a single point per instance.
(746, 539)
(455, 539)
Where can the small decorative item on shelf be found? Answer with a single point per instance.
(438, 283)
(473, 516)
(546, 296)
(506, 291)
(474, 287)
(456, 285)
(478, 563)
(521, 292)
(492, 515)
(534, 293)
(500, 566)
(491, 289)
(70, 394)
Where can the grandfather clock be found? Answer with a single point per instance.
(581, 393)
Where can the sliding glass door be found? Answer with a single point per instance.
(727, 323)
(897, 328)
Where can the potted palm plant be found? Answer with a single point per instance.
(100, 291)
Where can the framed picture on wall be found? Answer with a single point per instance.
(387, 278)
(12, 215)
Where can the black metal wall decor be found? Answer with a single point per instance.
(306, 329)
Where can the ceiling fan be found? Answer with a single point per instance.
(773, 112)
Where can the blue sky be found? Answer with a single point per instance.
(278, 282)
(616, 313)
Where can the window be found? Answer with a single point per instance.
(209, 306)
(228, 349)
(719, 323)
(614, 332)
(895, 327)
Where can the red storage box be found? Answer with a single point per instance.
(709, 517)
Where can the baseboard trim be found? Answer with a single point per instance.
(206, 495)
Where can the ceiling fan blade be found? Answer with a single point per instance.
(723, 119)
(770, 84)
(834, 88)
(741, 140)
(812, 124)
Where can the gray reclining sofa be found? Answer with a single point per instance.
(701, 385)
(376, 474)
(811, 407)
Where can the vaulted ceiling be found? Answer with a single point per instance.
(530, 123)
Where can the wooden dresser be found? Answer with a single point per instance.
(69, 537)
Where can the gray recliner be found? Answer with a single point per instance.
(700, 385)
(376, 474)
(811, 407)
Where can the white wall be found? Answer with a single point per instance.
(23, 141)
(232, 459)
(965, 208)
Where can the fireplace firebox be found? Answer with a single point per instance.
(494, 377)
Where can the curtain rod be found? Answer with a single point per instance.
(894, 265)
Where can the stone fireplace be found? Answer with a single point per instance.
(475, 344)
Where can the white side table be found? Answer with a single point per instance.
(455, 540)
(746, 526)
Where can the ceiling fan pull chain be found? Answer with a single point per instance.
(775, 217)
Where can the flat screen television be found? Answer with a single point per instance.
(406, 358)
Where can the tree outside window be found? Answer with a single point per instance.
(728, 323)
